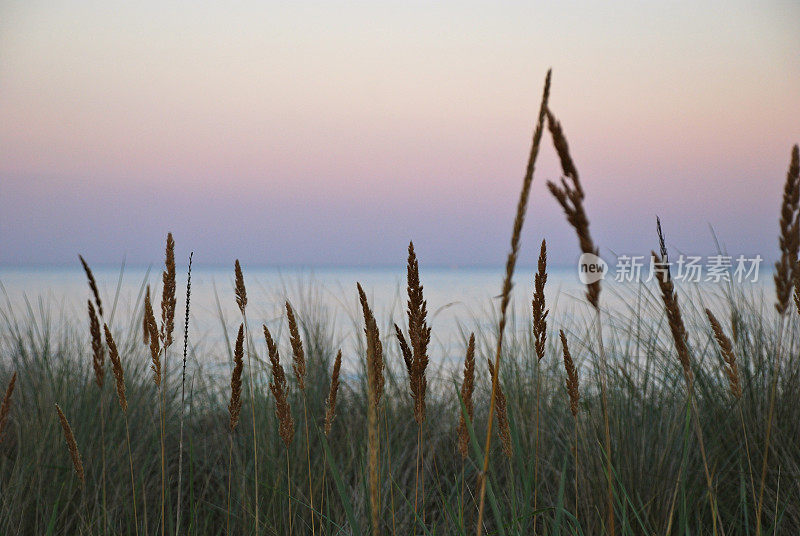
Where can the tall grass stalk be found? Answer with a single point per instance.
(241, 301)
(375, 379)
(786, 273)
(770, 417)
(299, 366)
(679, 336)
(161, 376)
(519, 219)
(570, 195)
(234, 408)
(179, 506)
(279, 388)
(539, 329)
(119, 380)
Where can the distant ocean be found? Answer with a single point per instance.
(459, 300)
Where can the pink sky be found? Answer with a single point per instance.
(325, 133)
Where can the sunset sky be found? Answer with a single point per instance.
(324, 133)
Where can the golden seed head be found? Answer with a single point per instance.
(538, 304)
(501, 408)
(92, 285)
(69, 437)
(570, 195)
(280, 390)
(330, 411)
(168, 294)
(241, 292)
(789, 239)
(375, 364)
(298, 354)
(467, 388)
(116, 367)
(152, 329)
(98, 351)
(420, 335)
(572, 376)
(728, 355)
(235, 405)
(674, 318)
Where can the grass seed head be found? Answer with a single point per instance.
(330, 410)
(72, 445)
(241, 292)
(116, 367)
(467, 388)
(98, 351)
(235, 405)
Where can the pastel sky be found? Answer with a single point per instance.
(326, 133)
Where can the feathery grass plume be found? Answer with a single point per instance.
(374, 393)
(570, 196)
(539, 311)
(116, 366)
(420, 334)
(235, 405)
(789, 238)
(405, 350)
(152, 329)
(540, 338)
(726, 348)
(519, 219)
(92, 285)
(572, 377)
(503, 428)
(280, 390)
(467, 388)
(73, 446)
(674, 318)
(168, 294)
(241, 292)
(330, 411)
(145, 326)
(298, 354)
(98, 352)
(375, 363)
(5, 408)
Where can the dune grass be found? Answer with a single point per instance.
(651, 422)
(659, 479)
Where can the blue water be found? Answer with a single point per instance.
(459, 301)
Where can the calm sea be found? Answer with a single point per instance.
(459, 300)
